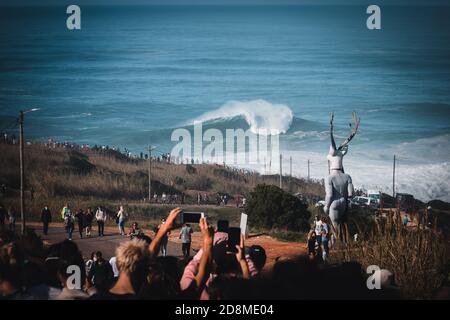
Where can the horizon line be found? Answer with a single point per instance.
(34, 5)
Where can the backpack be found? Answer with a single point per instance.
(101, 273)
(63, 212)
(68, 221)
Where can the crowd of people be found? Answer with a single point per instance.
(141, 269)
(7, 217)
(320, 237)
(200, 199)
(166, 198)
(163, 157)
(84, 221)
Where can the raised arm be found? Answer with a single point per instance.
(205, 262)
(241, 259)
(163, 230)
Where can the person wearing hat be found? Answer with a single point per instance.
(256, 259)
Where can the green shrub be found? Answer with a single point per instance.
(272, 208)
(288, 236)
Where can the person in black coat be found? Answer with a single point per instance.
(80, 218)
(46, 218)
(88, 217)
(3, 215)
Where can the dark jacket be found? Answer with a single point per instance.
(46, 215)
(3, 214)
(101, 274)
(88, 217)
(80, 218)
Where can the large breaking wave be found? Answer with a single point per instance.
(262, 116)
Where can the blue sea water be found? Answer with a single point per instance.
(132, 74)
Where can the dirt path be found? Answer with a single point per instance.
(274, 248)
(108, 244)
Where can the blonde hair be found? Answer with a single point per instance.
(130, 254)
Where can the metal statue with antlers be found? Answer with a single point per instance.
(338, 185)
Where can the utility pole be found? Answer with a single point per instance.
(308, 170)
(290, 173)
(281, 171)
(290, 166)
(22, 168)
(22, 178)
(393, 181)
(150, 148)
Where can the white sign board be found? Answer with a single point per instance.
(244, 224)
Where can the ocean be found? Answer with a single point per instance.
(133, 74)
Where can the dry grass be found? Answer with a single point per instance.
(416, 255)
(110, 175)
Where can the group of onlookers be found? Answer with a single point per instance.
(165, 198)
(83, 219)
(7, 217)
(28, 270)
(134, 272)
(201, 199)
(319, 238)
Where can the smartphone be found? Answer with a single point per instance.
(234, 239)
(192, 217)
(222, 226)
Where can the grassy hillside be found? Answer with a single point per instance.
(89, 176)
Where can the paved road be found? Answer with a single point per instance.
(107, 244)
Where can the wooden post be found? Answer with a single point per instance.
(393, 182)
(308, 170)
(150, 148)
(281, 171)
(22, 173)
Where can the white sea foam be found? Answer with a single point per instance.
(322, 135)
(423, 167)
(426, 181)
(72, 116)
(425, 149)
(261, 115)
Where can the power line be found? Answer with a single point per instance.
(12, 125)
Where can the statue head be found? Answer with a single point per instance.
(335, 158)
(336, 154)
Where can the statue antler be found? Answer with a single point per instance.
(333, 143)
(354, 128)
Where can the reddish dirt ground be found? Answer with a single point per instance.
(274, 248)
